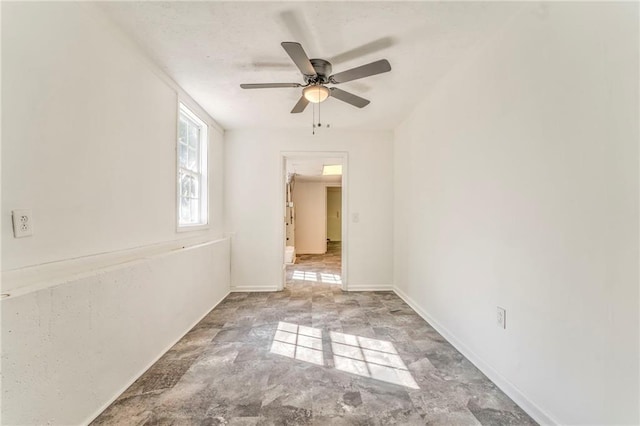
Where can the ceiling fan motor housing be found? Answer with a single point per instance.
(323, 71)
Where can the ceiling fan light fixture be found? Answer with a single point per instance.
(315, 93)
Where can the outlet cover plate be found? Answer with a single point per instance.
(22, 223)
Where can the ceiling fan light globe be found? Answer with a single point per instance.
(316, 93)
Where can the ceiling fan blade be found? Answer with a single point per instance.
(300, 106)
(365, 49)
(377, 67)
(268, 85)
(299, 57)
(349, 98)
(294, 20)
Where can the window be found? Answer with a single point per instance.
(192, 170)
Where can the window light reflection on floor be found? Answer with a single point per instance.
(298, 342)
(305, 276)
(331, 278)
(376, 359)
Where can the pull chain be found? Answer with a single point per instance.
(319, 123)
(313, 118)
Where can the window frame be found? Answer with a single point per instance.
(203, 174)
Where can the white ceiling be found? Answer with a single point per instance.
(209, 48)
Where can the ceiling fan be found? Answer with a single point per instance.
(317, 74)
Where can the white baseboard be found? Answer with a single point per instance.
(537, 413)
(95, 415)
(253, 288)
(351, 287)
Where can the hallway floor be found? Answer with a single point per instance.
(317, 268)
(313, 354)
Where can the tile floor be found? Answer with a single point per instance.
(317, 268)
(313, 354)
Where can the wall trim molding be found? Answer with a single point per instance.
(381, 287)
(21, 281)
(271, 288)
(254, 288)
(95, 415)
(512, 391)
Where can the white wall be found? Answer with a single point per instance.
(253, 201)
(334, 213)
(89, 135)
(71, 348)
(309, 200)
(516, 184)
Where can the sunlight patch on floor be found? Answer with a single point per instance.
(305, 276)
(330, 278)
(363, 356)
(377, 359)
(298, 342)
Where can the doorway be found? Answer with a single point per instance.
(314, 249)
(333, 222)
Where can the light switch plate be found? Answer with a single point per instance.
(502, 317)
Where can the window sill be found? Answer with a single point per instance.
(189, 228)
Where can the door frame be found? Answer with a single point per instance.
(291, 155)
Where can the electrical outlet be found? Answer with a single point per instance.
(502, 317)
(22, 223)
(355, 217)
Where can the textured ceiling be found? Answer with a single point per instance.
(209, 48)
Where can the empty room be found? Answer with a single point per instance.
(327, 213)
